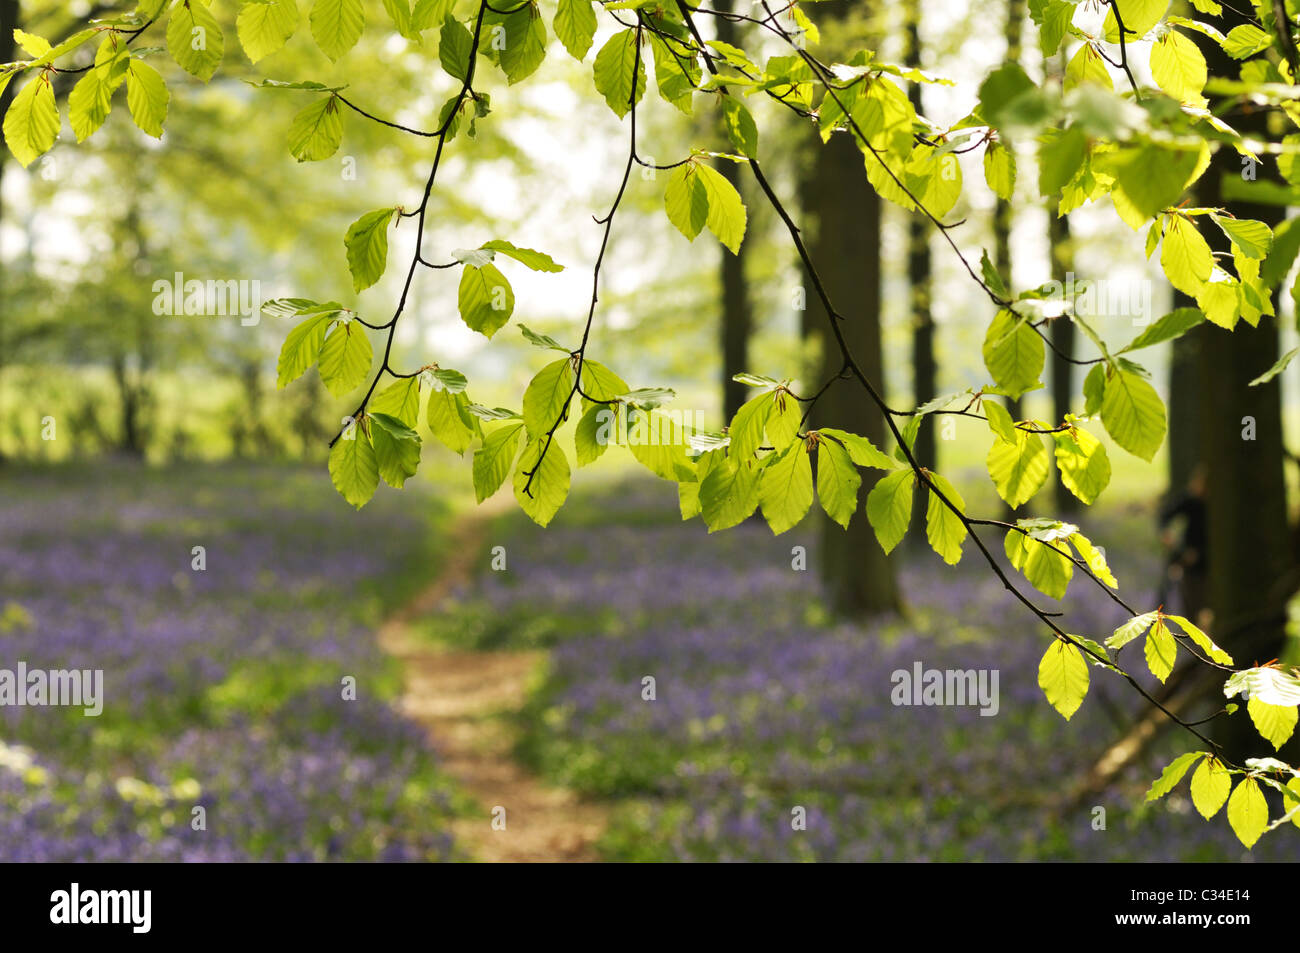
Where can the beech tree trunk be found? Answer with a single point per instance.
(844, 215)
(1249, 552)
(737, 313)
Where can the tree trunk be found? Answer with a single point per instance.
(1184, 401)
(919, 270)
(844, 217)
(1249, 550)
(1061, 332)
(737, 314)
(1003, 213)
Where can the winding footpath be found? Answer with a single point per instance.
(463, 699)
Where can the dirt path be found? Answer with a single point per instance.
(459, 697)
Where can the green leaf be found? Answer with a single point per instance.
(861, 450)
(786, 488)
(1009, 98)
(1140, 16)
(1172, 774)
(1267, 683)
(740, 126)
(687, 201)
(31, 44)
(367, 245)
(1133, 414)
(451, 422)
(1087, 66)
(1282, 255)
(1060, 158)
(600, 383)
(1152, 177)
(1082, 461)
(783, 423)
(400, 400)
(1094, 558)
(726, 218)
(336, 25)
(1178, 67)
(91, 99)
(1185, 256)
(444, 378)
(1173, 325)
(397, 449)
(536, 260)
(1041, 561)
(1018, 469)
(316, 131)
(345, 358)
(749, 425)
(1131, 629)
(729, 491)
(889, 508)
(1211, 784)
(667, 457)
(32, 121)
(575, 25)
(1246, 40)
(265, 27)
(524, 44)
(194, 38)
(353, 467)
(1054, 18)
(614, 72)
(301, 348)
(591, 437)
(146, 97)
(1252, 237)
(546, 400)
(542, 340)
(1088, 646)
(1013, 353)
(677, 73)
(1203, 641)
(1161, 649)
(550, 482)
(485, 299)
(1063, 677)
(999, 420)
(838, 481)
(455, 45)
(426, 14)
(1248, 812)
(493, 460)
(1094, 389)
(1278, 367)
(1275, 723)
(399, 11)
(494, 413)
(944, 528)
(1000, 170)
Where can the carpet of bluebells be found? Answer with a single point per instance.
(224, 688)
(764, 705)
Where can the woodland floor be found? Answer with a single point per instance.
(464, 699)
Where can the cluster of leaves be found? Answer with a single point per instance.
(1139, 150)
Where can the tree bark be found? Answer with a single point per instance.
(1061, 333)
(1003, 212)
(737, 314)
(919, 272)
(1249, 552)
(845, 220)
